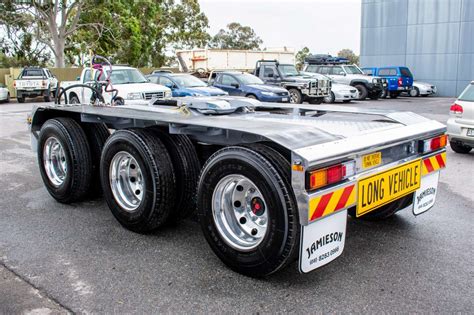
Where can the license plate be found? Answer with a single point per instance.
(470, 132)
(382, 188)
(285, 99)
(371, 160)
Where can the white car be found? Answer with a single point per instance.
(422, 88)
(461, 123)
(4, 94)
(33, 82)
(341, 93)
(132, 86)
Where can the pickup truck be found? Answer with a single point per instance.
(269, 187)
(399, 79)
(312, 89)
(131, 84)
(367, 86)
(33, 82)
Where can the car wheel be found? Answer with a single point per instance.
(8, 98)
(74, 99)
(295, 96)
(252, 96)
(316, 100)
(363, 93)
(20, 99)
(393, 94)
(459, 147)
(64, 159)
(119, 101)
(415, 92)
(137, 179)
(247, 211)
(47, 98)
(330, 98)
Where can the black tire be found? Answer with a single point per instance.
(252, 96)
(186, 167)
(8, 98)
(459, 147)
(363, 93)
(119, 101)
(97, 134)
(295, 96)
(330, 98)
(74, 99)
(346, 101)
(20, 99)
(374, 97)
(393, 94)
(158, 177)
(414, 92)
(316, 100)
(425, 95)
(386, 211)
(280, 243)
(77, 157)
(47, 97)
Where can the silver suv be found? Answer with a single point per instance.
(368, 86)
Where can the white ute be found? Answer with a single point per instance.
(132, 86)
(33, 82)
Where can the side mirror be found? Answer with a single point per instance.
(78, 78)
(235, 85)
(170, 85)
(270, 75)
(342, 73)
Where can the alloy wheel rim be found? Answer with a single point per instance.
(126, 181)
(240, 212)
(54, 161)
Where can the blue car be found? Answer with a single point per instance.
(182, 84)
(248, 85)
(399, 79)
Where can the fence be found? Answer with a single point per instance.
(7, 76)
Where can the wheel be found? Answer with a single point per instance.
(64, 159)
(119, 101)
(386, 211)
(330, 98)
(424, 95)
(247, 211)
(47, 98)
(8, 98)
(97, 134)
(316, 100)
(393, 94)
(74, 99)
(415, 92)
(383, 94)
(459, 147)
(138, 179)
(346, 101)
(295, 96)
(20, 99)
(186, 167)
(363, 93)
(252, 96)
(374, 96)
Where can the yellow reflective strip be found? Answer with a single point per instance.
(313, 204)
(435, 163)
(424, 170)
(352, 198)
(336, 196)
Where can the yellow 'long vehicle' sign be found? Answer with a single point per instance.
(382, 188)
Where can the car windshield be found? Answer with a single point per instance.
(127, 76)
(468, 93)
(288, 70)
(248, 79)
(406, 72)
(352, 70)
(32, 73)
(188, 81)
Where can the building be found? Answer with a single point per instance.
(434, 38)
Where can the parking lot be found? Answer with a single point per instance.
(78, 258)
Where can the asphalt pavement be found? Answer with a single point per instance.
(77, 258)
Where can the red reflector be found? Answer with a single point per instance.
(335, 173)
(435, 143)
(456, 109)
(400, 81)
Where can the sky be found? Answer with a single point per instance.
(324, 26)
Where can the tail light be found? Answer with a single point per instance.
(456, 109)
(14, 84)
(433, 143)
(43, 83)
(330, 175)
(400, 81)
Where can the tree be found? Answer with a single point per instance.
(236, 37)
(349, 54)
(300, 57)
(51, 21)
(140, 32)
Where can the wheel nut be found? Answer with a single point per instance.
(237, 204)
(243, 220)
(254, 232)
(239, 188)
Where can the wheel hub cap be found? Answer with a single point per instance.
(54, 160)
(239, 212)
(126, 181)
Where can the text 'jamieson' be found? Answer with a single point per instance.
(328, 238)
